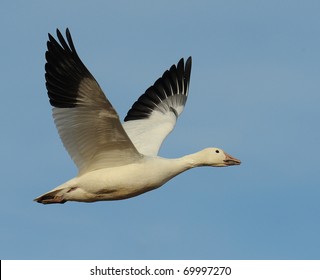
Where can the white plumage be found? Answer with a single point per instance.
(116, 161)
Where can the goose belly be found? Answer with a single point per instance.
(122, 182)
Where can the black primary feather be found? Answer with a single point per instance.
(174, 81)
(64, 71)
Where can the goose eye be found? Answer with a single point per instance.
(217, 151)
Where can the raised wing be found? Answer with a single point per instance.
(87, 123)
(154, 115)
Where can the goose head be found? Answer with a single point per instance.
(217, 157)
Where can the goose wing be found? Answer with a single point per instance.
(87, 123)
(154, 115)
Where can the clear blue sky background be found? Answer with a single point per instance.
(254, 92)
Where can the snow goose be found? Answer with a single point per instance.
(116, 161)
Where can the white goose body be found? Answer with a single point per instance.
(116, 161)
(121, 182)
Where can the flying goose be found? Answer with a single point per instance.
(116, 160)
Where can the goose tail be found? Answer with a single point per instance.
(51, 197)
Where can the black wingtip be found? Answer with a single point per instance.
(64, 71)
(188, 70)
(189, 62)
(174, 81)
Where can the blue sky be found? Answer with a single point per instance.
(254, 92)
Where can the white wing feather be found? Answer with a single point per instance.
(87, 123)
(154, 115)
